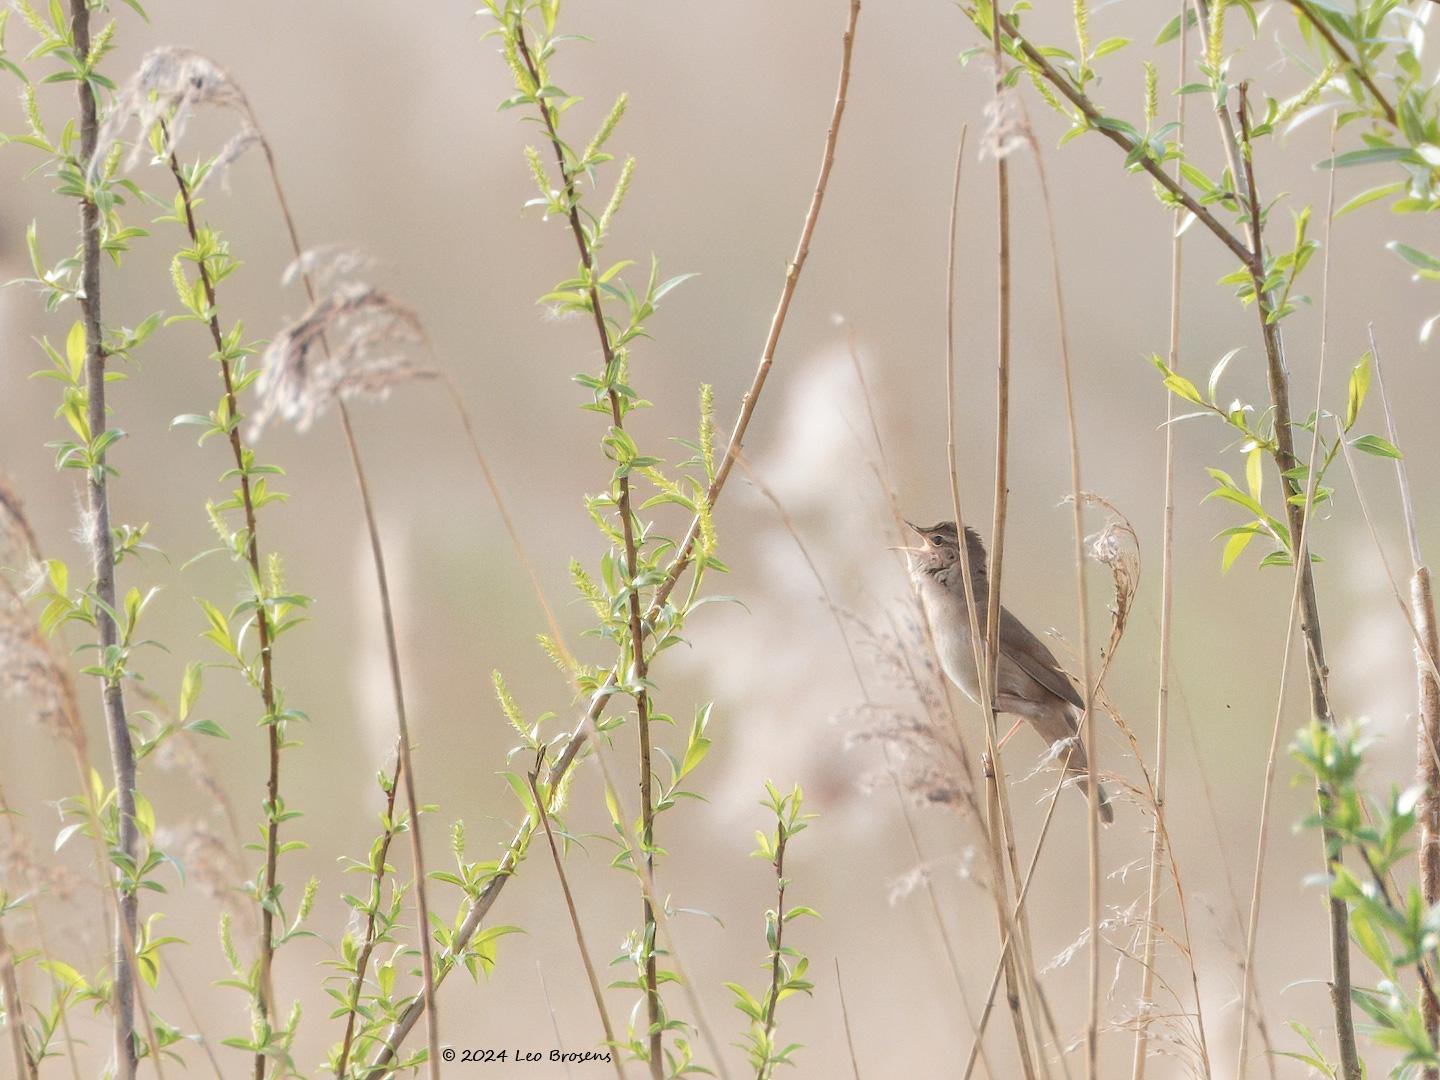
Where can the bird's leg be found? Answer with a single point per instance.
(1013, 728)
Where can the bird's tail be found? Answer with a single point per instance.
(1078, 771)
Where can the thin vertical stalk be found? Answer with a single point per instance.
(1000, 835)
(1427, 731)
(845, 1018)
(102, 547)
(1167, 602)
(14, 1010)
(1082, 601)
(404, 766)
(362, 961)
(264, 632)
(574, 913)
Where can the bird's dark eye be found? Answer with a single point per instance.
(937, 540)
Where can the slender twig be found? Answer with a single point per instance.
(638, 664)
(102, 547)
(481, 905)
(554, 1019)
(14, 1010)
(845, 1018)
(590, 975)
(1301, 552)
(777, 965)
(372, 908)
(122, 944)
(1427, 648)
(263, 628)
(1346, 59)
(1167, 599)
(999, 817)
(494, 487)
(1093, 116)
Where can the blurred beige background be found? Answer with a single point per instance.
(383, 116)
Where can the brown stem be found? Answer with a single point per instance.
(122, 753)
(362, 961)
(1278, 378)
(776, 963)
(264, 631)
(543, 814)
(1427, 731)
(482, 904)
(1346, 59)
(1081, 101)
(627, 525)
(14, 1010)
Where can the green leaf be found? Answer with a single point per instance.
(189, 688)
(1359, 387)
(1373, 444)
(1237, 543)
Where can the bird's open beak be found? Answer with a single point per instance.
(913, 526)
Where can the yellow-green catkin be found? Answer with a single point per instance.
(1082, 28)
(523, 82)
(1152, 94)
(1308, 96)
(588, 590)
(707, 429)
(275, 567)
(617, 197)
(597, 515)
(227, 944)
(307, 900)
(537, 170)
(457, 840)
(1215, 38)
(607, 127)
(508, 706)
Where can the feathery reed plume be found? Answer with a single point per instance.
(350, 343)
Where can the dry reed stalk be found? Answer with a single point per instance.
(1092, 1033)
(574, 914)
(1167, 603)
(482, 904)
(1427, 649)
(845, 1018)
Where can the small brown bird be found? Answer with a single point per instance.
(1031, 684)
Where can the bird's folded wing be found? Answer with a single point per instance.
(1032, 657)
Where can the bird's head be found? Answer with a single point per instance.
(940, 549)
